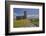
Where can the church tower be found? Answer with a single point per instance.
(25, 14)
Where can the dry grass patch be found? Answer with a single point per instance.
(21, 23)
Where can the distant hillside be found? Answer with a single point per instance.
(28, 17)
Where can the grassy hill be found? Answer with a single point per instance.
(21, 23)
(25, 22)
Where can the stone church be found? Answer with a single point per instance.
(22, 17)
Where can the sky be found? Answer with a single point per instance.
(30, 12)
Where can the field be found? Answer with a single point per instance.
(25, 22)
(21, 23)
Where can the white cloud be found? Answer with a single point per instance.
(32, 16)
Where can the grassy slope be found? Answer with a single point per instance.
(24, 22)
(20, 23)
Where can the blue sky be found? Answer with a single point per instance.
(30, 12)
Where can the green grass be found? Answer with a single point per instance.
(21, 23)
(24, 22)
(35, 21)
